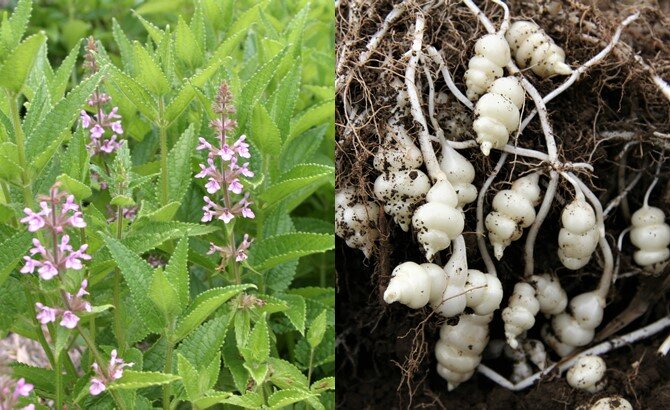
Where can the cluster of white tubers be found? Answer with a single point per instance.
(514, 209)
(498, 113)
(533, 48)
(401, 186)
(576, 328)
(492, 53)
(460, 173)
(651, 235)
(541, 293)
(579, 236)
(438, 221)
(609, 403)
(587, 374)
(460, 348)
(449, 290)
(355, 222)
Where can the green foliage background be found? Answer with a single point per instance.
(189, 328)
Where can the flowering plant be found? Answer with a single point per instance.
(150, 245)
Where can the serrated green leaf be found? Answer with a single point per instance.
(12, 30)
(321, 113)
(280, 277)
(122, 200)
(250, 400)
(10, 170)
(39, 107)
(202, 346)
(179, 174)
(177, 272)
(323, 354)
(285, 97)
(233, 361)
(155, 33)
(258, 343)
(297, 311)
(148, 72)
(255, 87)
(258, 371)
(43, 379)
(59, 82)
(316, 330)
(203, 306)
(78, 189)
(286, 375)
(136, 93)
(236, 31)
(125, 46)
(283, 398)
(189, 376)
(164, 295)
(211, 399)
(160, 7)
(272, 251)
(297, 178)
(19, 62)
(48, 134)
(186, 94)
(263, 132)
(132, 380)
(319, 386)
(138, 276)
(187, 46)
(12, 251)
(164, 213)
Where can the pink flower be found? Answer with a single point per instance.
(97, 131)
(214, 249)
(69, 205)
(117, 127)
(226, 153)
(203, 144)
(241, 147)
(82, 290)
(85, 119)
(244, 170)
(38, 248)
(226, 216)
(47, 271)
(73, 260)
(23, 388)
(46, 314)
(212, 186)
(30, 265)
(34, 220)
(70, 320)
(77, 220)
(97, 386)
(235, 186)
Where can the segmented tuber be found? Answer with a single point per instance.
(587, 374)
(533, 48)
(498, 114)
(576, 327)
(610, 403)
(579, 236)
(651, 235)
(492, 53)
(514, 209)
(400, 186)
(449, 290)
(460, 347)
(541, 293)
(460, 173)
(355, 222)
(438, 221)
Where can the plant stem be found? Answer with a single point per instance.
(311, 362)
(38, 328)
(167, 389)
(164, 153)
(119, 329)
(21, 148)
(59, 381)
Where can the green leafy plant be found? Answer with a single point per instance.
(166, 209)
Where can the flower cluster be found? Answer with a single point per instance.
(9, 399)
(103, 378)
(224, 177)
(69, 318)
(54, 216)
(223, 172)
(101, 122)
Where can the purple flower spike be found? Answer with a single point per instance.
(70, 320)
(46, 314)
(114, 372)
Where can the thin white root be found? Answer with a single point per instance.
(437, 58)
(599, 349)
(664, 348)
(547, 202)
(481, 235)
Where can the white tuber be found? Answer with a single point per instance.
(438, 221)
(577, 328)
(492, 53)
(541, 293)
(449, 290)
(651, 235)
(514, 209)
(533, 48)
(460, 173)
(612, 403)
(536, 353)
(400, 186)
(355, 222)
(498, 114)
(579, 236)
(587, 374)
(460, 348)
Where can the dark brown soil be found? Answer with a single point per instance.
(385, 353)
